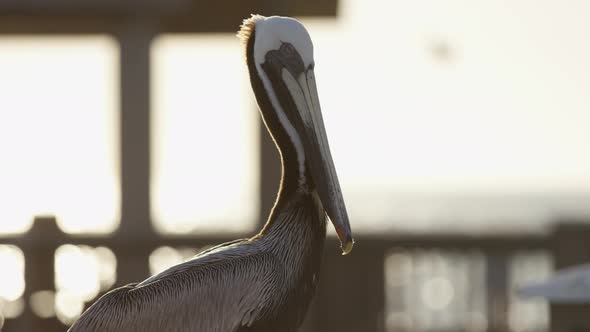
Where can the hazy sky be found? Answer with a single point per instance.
(448, 99)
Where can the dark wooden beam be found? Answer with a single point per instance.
(135, 39)
(204, 8)
(571, 247)
(227, 15)
(497, 291)
(40, 270)
(374, 243)
(173, 16)
(79, 6)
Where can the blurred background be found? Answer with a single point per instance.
(130, 141)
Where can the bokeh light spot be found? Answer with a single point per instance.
(437, 293)
(12, 279)
(43, 303)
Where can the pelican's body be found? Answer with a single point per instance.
(265, 283)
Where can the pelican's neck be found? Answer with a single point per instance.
(296, 229)
(271, 101)
(295, 176)
(296, 186)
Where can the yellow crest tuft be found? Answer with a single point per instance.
(247, 28)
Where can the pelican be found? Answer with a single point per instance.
(264, 283)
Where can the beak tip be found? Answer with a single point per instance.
(347, 247)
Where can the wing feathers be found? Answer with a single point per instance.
(217, 292)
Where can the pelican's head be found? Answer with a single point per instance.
(279, 54)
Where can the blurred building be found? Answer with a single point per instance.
(128, 132)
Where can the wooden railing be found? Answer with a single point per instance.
(351, 293)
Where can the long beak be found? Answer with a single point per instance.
(317, 152)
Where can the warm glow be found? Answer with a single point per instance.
(107, 262)
(68, 306)
(43, 303)
(77, 271)
(437, 293)
(58, 132)
(204, 160)
(81, 272)
(166, 257)
(11, 309)
(12, 278)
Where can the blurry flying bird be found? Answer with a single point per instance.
(264, 283)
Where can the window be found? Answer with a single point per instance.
(204, 160)
(58, 132)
